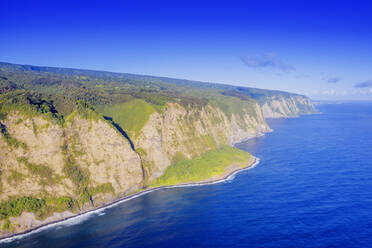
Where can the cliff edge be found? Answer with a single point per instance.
(73, 140)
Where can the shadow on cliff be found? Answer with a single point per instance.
(120, 130)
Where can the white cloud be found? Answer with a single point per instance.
(268, 60)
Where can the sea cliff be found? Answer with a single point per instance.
(287, 106)
(107, 137)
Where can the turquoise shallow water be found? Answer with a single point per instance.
(311, 189)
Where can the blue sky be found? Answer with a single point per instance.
(319, 48)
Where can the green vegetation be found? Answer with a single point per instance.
(42, 208)
(3, 116)
(205, 141)
(120, 96)
(194, 144)
(64, 87)
(208, 165)
(76, 174)
(6, 85)
(60, 204)
(44, 172)
(131, 116)
(15, 177)
(29, 104)
(231, 105)
(80, 178)
(15, 207)
(178, 157)
(7, 226)
(103, 188)
(35, 128)
(12, 142)
(85, 110)
(146, 165)
(19, 121)
(1, 182)
(59, 95)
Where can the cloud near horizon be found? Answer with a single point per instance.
(364, 84)
(334, 80)
(267, 61)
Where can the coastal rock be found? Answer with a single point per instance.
(105, 154)
(280, 106)
(87, 161)
(178, 133)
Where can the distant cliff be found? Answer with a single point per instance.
(287, 106)
(73, 140)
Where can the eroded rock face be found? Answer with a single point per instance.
(252, 127)
(107, 156)
(178, 132)
(94, 145)
(43, 141)
(291, 106)
(36, 166)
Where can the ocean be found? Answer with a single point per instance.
(312, 188)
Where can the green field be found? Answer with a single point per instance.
(212, 163)
(131, 116)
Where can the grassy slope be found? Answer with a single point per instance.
(131, 116)
(208, 165)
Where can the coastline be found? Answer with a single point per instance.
(125, 198)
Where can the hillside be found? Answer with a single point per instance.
(72, 140)
(109, 87)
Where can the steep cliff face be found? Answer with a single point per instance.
(60, 156)
(52, 171)
(278, 106)
(33, 163)
(39, 163)
(105, 154)
(180, 133)
(86, 161)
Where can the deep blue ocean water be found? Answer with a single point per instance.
(313, 188)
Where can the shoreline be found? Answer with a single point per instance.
(122, 199)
